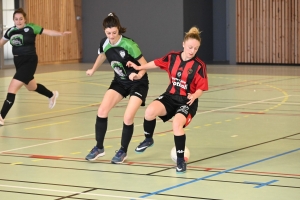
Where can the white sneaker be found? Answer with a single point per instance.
(1, 121)
(52, 100)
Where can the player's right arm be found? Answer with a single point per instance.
(3, 42)
(149, 65)
(99, 61)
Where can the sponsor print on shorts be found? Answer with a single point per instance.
(138, 94)
(183, 109)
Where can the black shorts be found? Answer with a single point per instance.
(25, 67)
(139, 89)
(177, 104)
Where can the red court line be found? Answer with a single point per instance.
(45, 157)
(149, 164)
(271, 173)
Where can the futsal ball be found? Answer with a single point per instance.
(174, 154)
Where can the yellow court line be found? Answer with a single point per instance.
(79, 82)
(46, 125)
(76, 108)
(16, 163)
(76, 153)
(36, 160)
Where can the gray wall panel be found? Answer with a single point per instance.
(231, 31)
(200, 13)
(219, 30)
(156, 25)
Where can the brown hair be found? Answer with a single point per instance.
(193, 33)
(112, 20)
(21, 11)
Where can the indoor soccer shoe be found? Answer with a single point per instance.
(1, 121)
(148, 142)
(95, 153)
(52, 100)
(120, 157)
(181, 166)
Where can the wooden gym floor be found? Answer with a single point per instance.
(244, 140)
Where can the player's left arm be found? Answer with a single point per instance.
(55, 33)
(194, 96)
(201, 83)
(134, 76)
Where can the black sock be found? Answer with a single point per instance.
(126, 136)
(180, 145)
(43, 91)
(149, 127)
(101, 127)
(7, 104)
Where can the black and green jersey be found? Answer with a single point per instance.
(23, 40)
(119, 54)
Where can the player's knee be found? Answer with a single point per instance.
(31, 89)
(128, 120)
(150, 113)
(102, 112)
(177, 126)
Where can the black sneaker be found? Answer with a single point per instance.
(120, 157)
(148, 142)
(181, 166)
(95, 153)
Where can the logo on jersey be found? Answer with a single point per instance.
(122, 53)
(16, 40)
(183, 109)
(179, 83)
(119, 69)
(178, 74)
(190, 71)
(26, 29)
(160, 97)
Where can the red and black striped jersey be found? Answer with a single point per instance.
(185, 76)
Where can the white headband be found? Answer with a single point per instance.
(110, 14)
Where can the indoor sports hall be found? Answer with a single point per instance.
(244, 140)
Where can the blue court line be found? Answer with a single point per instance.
(259, 185)
(218, 173)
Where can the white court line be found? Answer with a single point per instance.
(209, 111)
(70, 192)
(58, 141)
(279, 102)
(254, 102)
